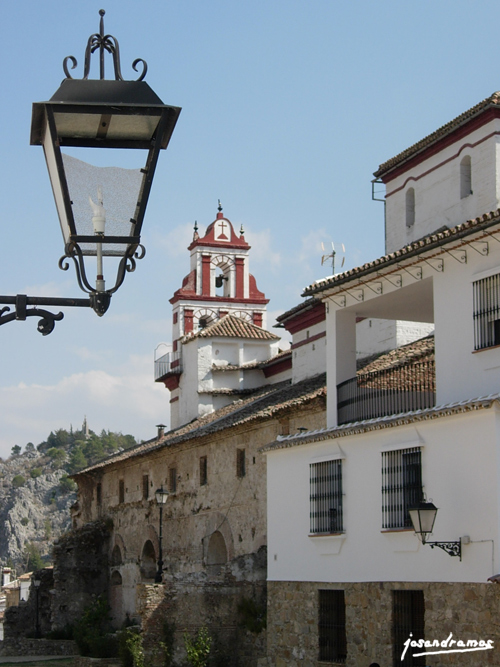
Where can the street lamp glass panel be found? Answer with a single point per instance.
(161, 496)
(112, 189)
(423, 517)
(116, 128)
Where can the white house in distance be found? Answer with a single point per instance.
(348, 578)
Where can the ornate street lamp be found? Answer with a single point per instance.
(423, 516)
(36, 581)
(101, 207)
(161, 495)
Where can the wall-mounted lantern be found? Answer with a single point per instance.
(423, 516)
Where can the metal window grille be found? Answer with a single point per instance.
(172, 479)
(121, 491)
(408, 611)
(145, 487)
(401, 486)
(486, 304)
(240, 463)
(326, 497)
(203, 470)
(331, 626)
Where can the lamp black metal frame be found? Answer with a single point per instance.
(95, 113)
(161, 496)
(423, 515)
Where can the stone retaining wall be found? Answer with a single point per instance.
(23, 646)
(469, 611)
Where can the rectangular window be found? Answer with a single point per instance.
(121, 491)
(203, 470)
(172, 480)
(331, 626)
(326, 497)
(401, 486)
(145, 487)
(98, 491)
(408, 608)
(486, 304)
(240, 463)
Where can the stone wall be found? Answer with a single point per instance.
(20, 621)
(469, 611)
(21, 646)
(81, 571)
(199, 601)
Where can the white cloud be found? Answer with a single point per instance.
(177, 240)
(262, 251)
(129, 402)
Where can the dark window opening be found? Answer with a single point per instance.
(331, 626)
(486, 305)
(326, 514)
(401, 486)
(121, 491)
(240, 463)
(408, 609)
(203, 471)
(98, 492)
(145, 487)
(172, 480)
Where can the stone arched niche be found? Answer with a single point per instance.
(148, 561)
(217, 550)
(116, 556)
(116, 578)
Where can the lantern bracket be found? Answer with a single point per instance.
(103, 43)
(451, 548)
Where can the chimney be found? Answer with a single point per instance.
(161, 430)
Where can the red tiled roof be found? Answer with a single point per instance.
(231, 326)
(414, 249)
(493, 101)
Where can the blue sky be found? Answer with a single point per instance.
(288, 107)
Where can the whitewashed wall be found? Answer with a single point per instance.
(436, 182)
(460, 466)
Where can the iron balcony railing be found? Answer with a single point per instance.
(168, 363)
(387, 392)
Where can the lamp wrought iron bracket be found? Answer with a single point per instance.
(99, 301)
(451, 548)
(103, 43)
(47, 320)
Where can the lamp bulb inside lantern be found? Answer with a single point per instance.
(99, 213)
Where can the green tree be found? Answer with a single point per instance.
(58, 456)
(29, 447)
(34, 559)
(16, 450)
(66, 484)
(35, 472)
(18, 481)
(198, 648)
(77, 460)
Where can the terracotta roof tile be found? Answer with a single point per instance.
(414, 249)
(267, 402)
(491, 101)
(231, 326)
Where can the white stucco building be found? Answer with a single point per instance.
(343, 555)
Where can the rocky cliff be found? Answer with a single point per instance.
(34, 506)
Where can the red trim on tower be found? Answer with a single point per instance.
(222, 313)
(205, 275)
(188, 288)
(257, 319)
(221, 299)
(209, 239)
(175, 398)
(171, 382)
(239, 264)
(254, 293)
(188, 320)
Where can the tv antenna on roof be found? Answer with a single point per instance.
(331, 256)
